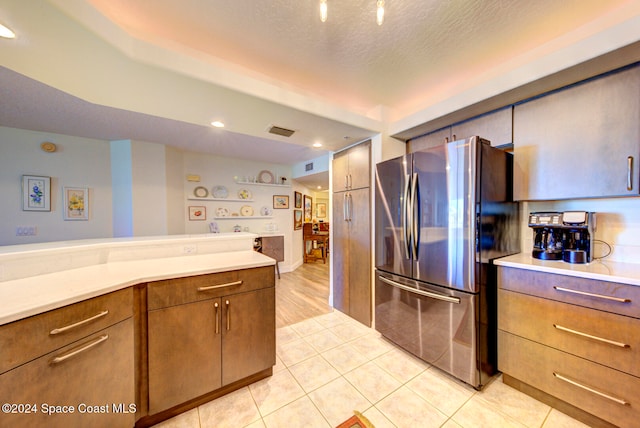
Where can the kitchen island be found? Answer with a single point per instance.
(123, 325)
(569, 335)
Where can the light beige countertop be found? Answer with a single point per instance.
(25, 296)
(603, 270)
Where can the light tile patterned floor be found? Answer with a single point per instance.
(331, 365)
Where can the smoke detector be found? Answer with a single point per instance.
(277, 130)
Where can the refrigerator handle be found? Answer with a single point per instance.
(406, 221)
(415, 215)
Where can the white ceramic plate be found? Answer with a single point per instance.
(222, 212)
(246, 211)
(266, 177)
(220, 192)
(266, 211)
(200, 192)
(244, 194)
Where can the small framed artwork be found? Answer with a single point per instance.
(281, 202)
(197, 213)
(308, 213)
(321, 210)
(36, 193)
(297, 219)
(76, 203)
(297, 199)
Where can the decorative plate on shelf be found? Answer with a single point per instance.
(220, 192)
(244, 194)
(222, 212)
(200, 192)
(246, 211)
(266, 177)
(266, 211)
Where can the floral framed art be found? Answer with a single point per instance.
(321, 210)
(76, 203)
(308, 213)
(297, 219)
(36, 193)
(297, 199)
(197, 213)
(280, 202)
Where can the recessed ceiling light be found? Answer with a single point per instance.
(217, 124)
(317, 144)
(319, 187)
(6, 32)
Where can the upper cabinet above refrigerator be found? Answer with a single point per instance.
(351, 169)
(580, 142)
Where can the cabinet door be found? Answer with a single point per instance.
(360, 257)
(248, 332)
(432, 139)
(359, 166)
(95, 371)
(579, 142)
(340, 171)
(184, 353)
(340, 251)
(496, 127)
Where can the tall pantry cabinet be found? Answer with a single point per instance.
(351, 245)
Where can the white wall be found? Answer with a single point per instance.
(78, 162)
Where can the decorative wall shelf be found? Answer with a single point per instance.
(243, 217)
(193, 198)
(263, 184)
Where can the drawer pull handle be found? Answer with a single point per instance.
(80, 350)
(600, 339)
(595, 391)
(213, 287)
(228, 315)
(599, 296)
(78, 324)
(216, 305)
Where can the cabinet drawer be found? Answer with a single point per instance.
(171, 292)
(609, 394)
(29, 338)
(603, 295)
(609, 339)
(97, 371)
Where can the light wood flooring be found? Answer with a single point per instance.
(302, 294)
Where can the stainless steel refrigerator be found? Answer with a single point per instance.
(442, 216)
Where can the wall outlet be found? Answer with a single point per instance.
(189, 249)
(26, 230)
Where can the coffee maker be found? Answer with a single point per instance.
(547, 235)
(577, 243)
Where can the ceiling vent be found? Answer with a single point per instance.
(281, 131)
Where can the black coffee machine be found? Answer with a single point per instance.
(547, 235)
(577, 243)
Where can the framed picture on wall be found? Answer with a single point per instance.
(321, 210)
(197, 213)
(297, 199)
(297, 219)
(308, 213)
(281, 202)
(36, 193)
(76, 203)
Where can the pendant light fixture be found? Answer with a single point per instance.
(323, 10)
(380, 12)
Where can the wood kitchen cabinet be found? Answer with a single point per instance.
(580, 142)
(351, 168)
(572, 343)
(78, 356)
(351, 244)
(207, 332)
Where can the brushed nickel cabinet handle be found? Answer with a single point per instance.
(78, 324)
(228, 315)
(213, 287)
(592, 390)
(599, 296)
(216, 305)
(630, 173)
(80, 350)
(589, 336)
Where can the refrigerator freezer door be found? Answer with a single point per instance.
(392, 243)
(446, 215)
